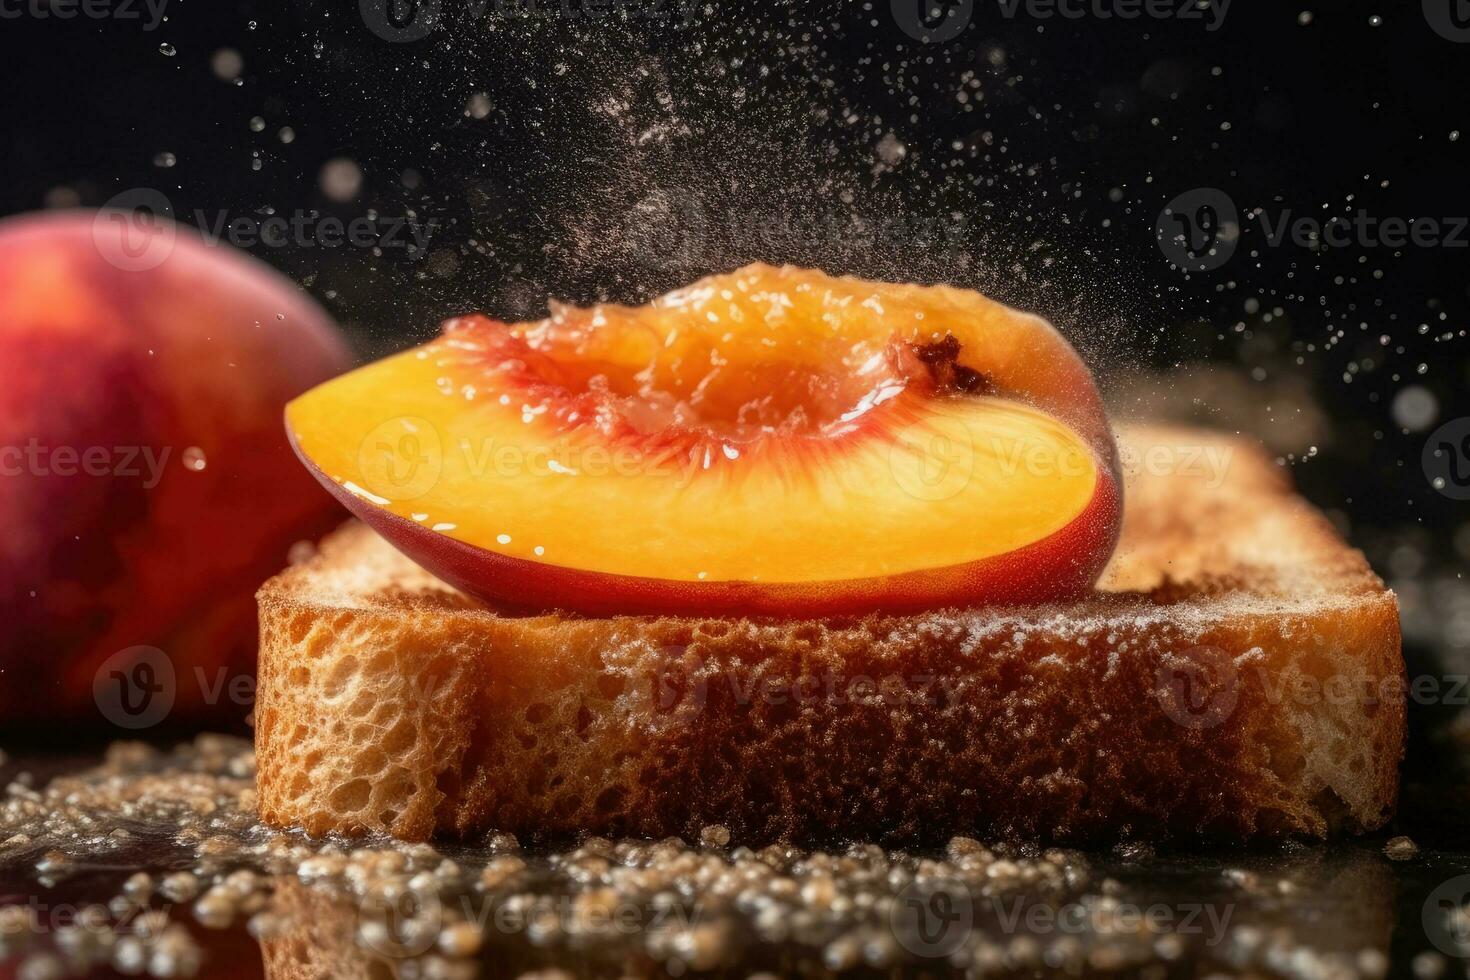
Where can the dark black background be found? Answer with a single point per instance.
(625, 153)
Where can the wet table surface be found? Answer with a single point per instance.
(151, 862)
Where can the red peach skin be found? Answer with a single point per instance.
(147, 488)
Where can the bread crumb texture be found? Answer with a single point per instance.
(1237, 674)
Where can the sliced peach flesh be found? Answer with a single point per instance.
(770, 441)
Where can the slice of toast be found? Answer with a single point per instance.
(1237, 674)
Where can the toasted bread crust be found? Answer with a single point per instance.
(1237, 674)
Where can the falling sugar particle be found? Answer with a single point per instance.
(167, 50)
(165, 160)
(1304, 18)
(1375, 21)
(1454, 136)
(257, 124)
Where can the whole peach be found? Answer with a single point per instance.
(146, 487)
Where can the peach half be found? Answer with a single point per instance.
(773, 441)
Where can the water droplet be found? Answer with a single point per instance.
(194, 459)
(165, 160)
(479, 106)
(226, 64)
(1304, 18)
(1415, 408)
(341, 179)
(891, 151)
